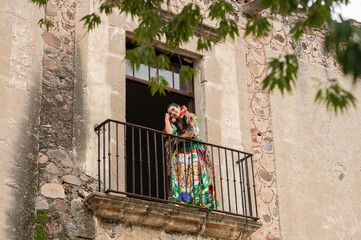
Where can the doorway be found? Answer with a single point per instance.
(146, 171)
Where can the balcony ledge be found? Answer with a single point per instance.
(118, 208)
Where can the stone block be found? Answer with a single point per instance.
(42, 158)
(52, 40)
(53, 190)
(67, 163)
(61, 205)
(49, 64)
(41, 203)
(72, 180)
(52, 168)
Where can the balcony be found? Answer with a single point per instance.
(152, 178)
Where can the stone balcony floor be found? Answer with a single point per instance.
(119, 208)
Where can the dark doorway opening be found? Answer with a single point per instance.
(146, 166)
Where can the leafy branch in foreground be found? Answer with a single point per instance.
(345, 40)
(335, 97)
(47, 22)
(282, 73)
(342, 39)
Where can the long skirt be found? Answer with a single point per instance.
(192, 177)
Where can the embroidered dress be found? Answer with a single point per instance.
(190, 168)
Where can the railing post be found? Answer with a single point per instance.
(234, 183)
(227, 179)
(109, 157)
(99, 182)
(248, 189)
(149, 170)
(254, 188)
(104, 158)
(214, 180)
(220, 174)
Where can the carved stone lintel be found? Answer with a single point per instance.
(118, 208)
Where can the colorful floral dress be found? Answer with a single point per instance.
(191, 171)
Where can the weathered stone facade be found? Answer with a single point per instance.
(57, 85)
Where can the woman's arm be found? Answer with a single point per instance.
(188, 134)
(168, 127)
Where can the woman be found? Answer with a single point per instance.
(191, 169)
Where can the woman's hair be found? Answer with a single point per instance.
(172, 105)
(179, 131)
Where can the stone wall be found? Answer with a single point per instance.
(60, 213)
(302, 151)
(20, 81)
(109, 231)
(57, 85)
(317, 152)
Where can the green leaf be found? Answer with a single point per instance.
(179, 30)
(39, 3)
(47, 22)
(345, 40)
(335, 98)
(282, 74)
(91, 21)
(142, 54)
(106, 8)
(158, 84)
(259, 26)
(186, 73)
(219, 9)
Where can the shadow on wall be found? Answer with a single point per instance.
(24, 173)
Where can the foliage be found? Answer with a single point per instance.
(41, 221)
(336, 97)
(342, 39)
(282, 75)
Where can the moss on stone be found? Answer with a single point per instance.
(41, 221)
(40, 233)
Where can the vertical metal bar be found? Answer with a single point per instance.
(254, 188)
(133, 161)
(214, 181)
(193, 186)
(200, 173)
(149, 171)
(109, 157)
(220, 176)
(140, 162)
(125, 158)
(164, 170)
(241, 183)
(104, 158)
(179, 193)
(117, 155)
(156, 164)
(227, 179)
(170, 167)
(248, 189)
(185, 170)
(99, 185)
(244, 187)
(234, 182)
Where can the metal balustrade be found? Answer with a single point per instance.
(135, 161)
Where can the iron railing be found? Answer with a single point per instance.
(133, 161)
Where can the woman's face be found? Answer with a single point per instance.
(174, 111)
